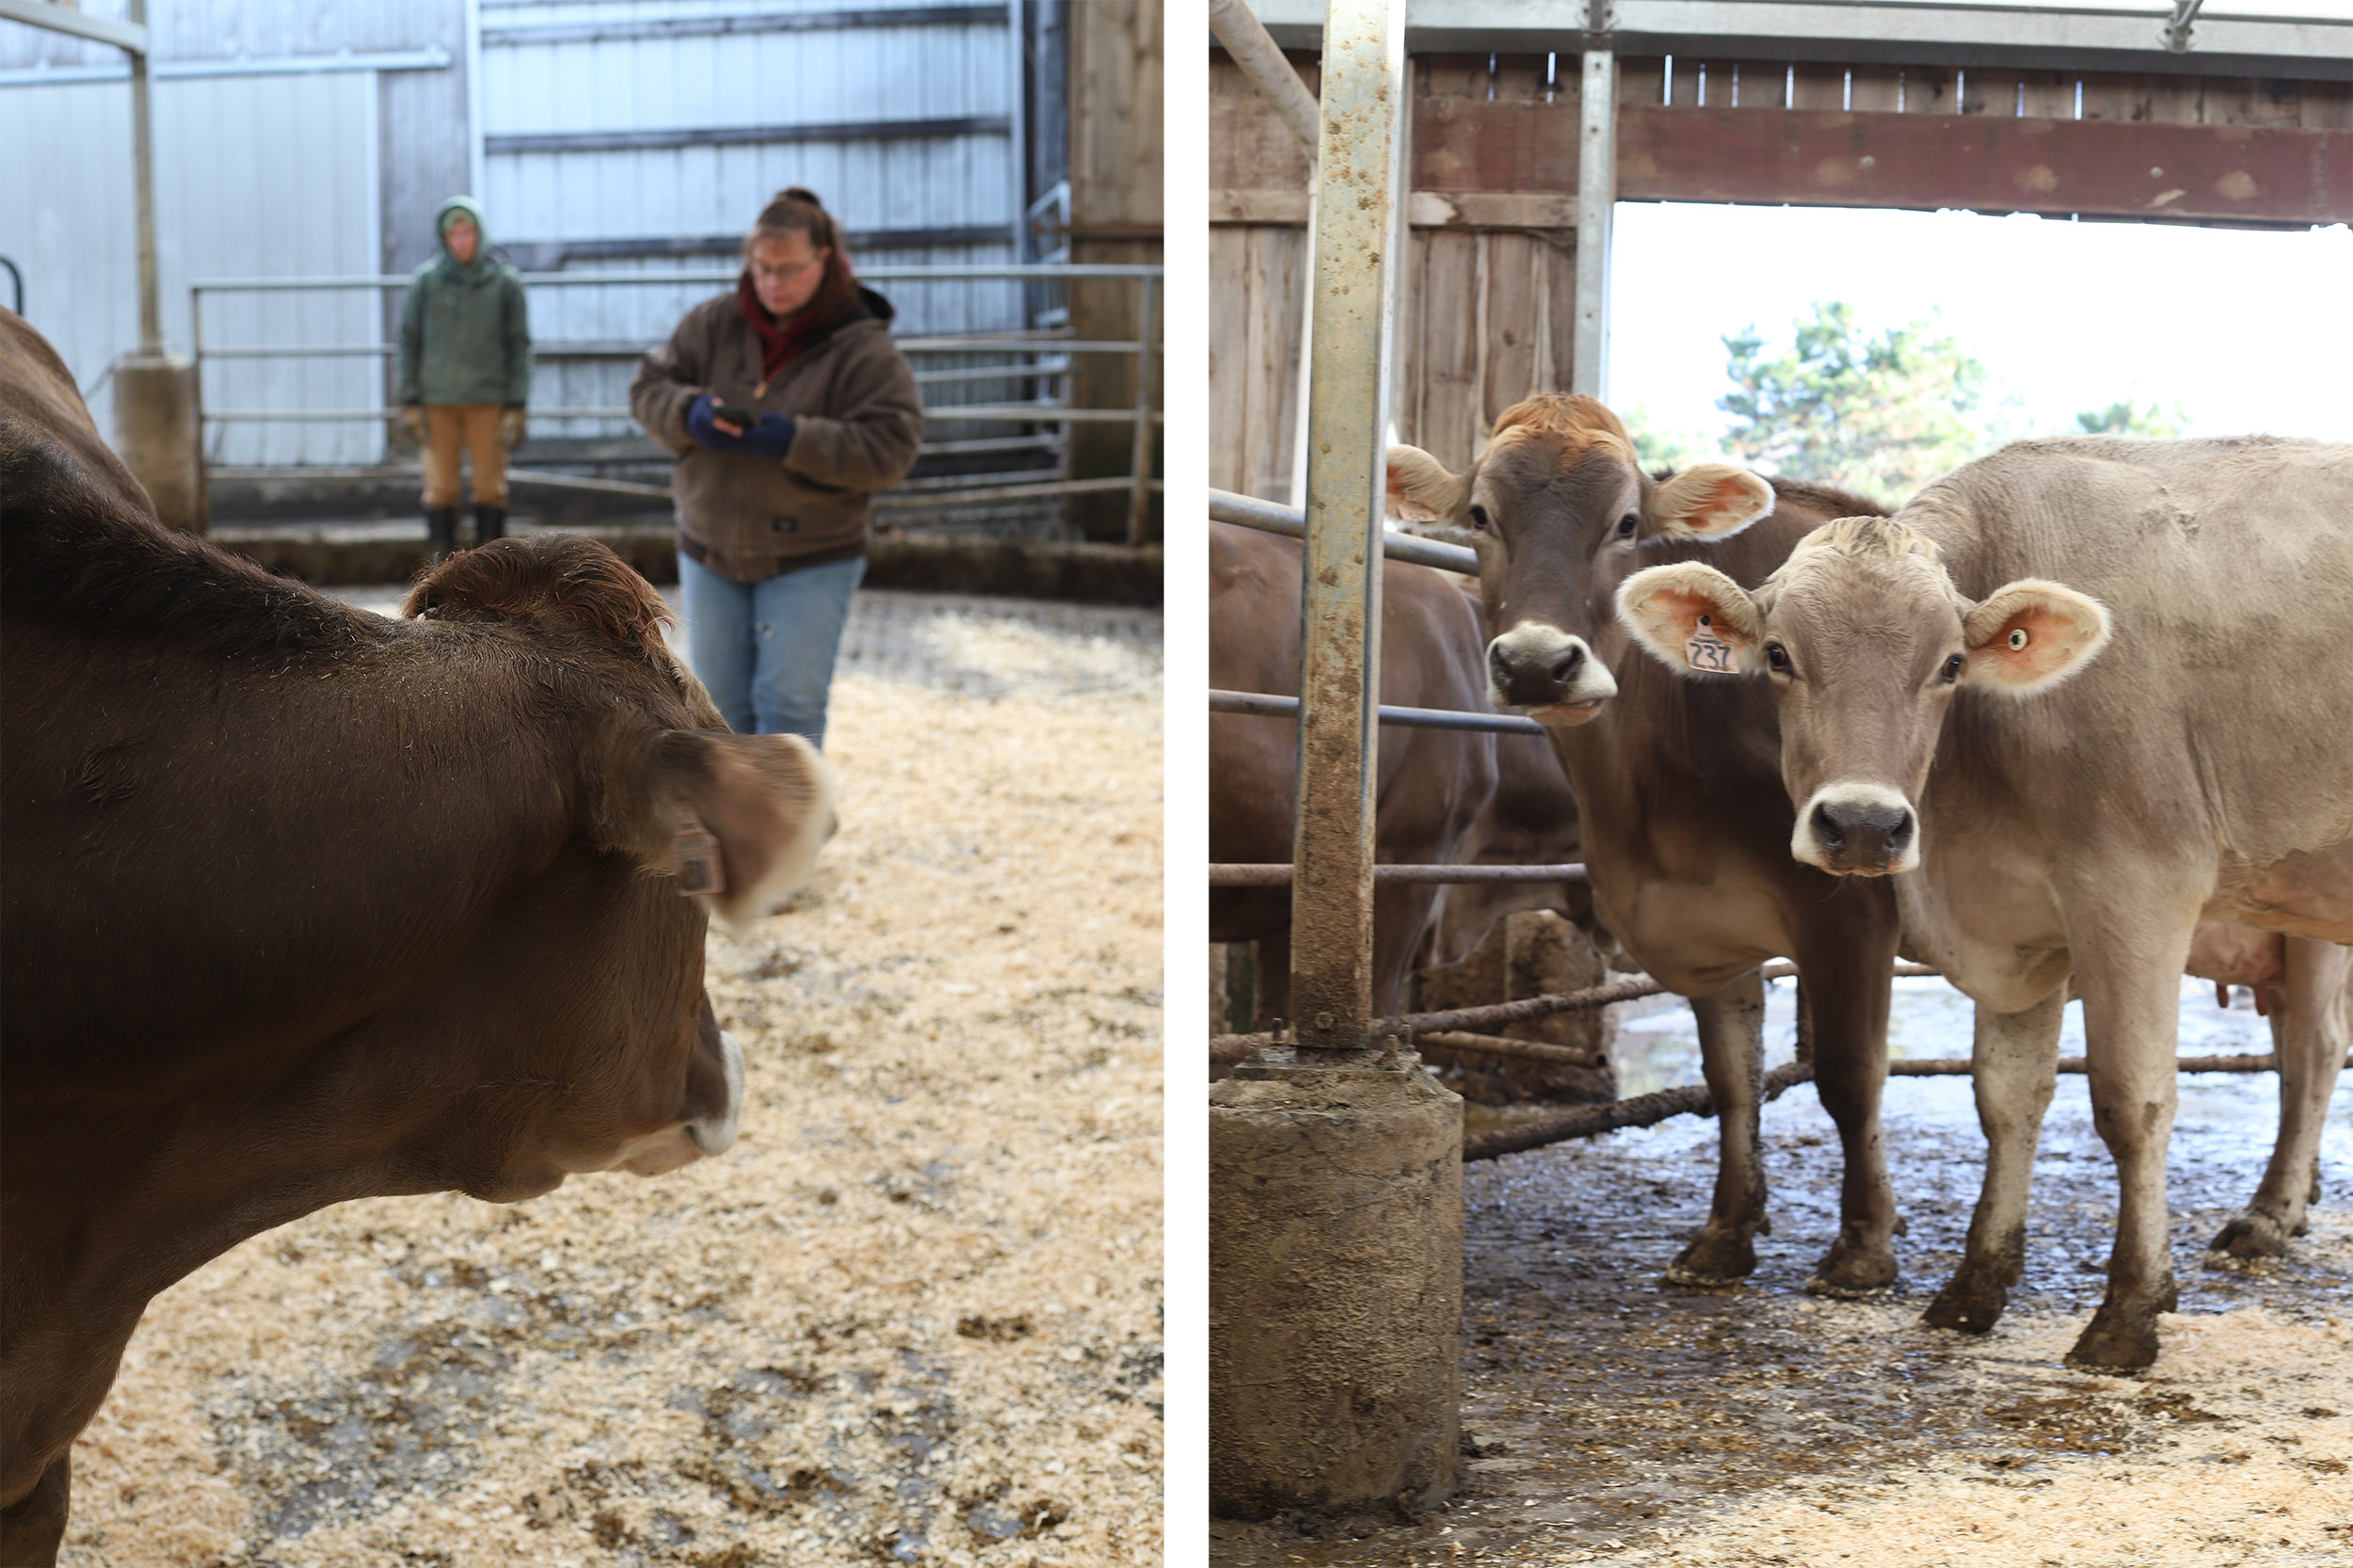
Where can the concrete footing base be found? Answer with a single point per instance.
(157, 435)
(1335, 1286)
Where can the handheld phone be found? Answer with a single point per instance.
(734, 415)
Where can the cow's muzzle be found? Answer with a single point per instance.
(713, 1134)
(1551, 673)
(1858, 830)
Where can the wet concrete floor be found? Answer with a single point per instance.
(1604, 1409)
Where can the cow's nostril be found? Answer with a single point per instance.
(1566, 669)
(1827, 828)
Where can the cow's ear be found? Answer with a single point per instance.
(737, 819)
(2029, 635)
(1693, 620)
(1417, 476)
(1708, 501)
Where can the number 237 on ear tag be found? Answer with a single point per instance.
(1708, 651)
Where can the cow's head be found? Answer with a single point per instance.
(1866, 639)
(1561, 509)
(672, 819)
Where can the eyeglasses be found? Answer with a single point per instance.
(779, 274)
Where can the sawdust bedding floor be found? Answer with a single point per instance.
(913, 1315)
(1617, 1421)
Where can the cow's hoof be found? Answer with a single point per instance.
(2120, 1339)
(1850, 1270)
(2252, 1234)
(1713, 1261)
(1970, 1302)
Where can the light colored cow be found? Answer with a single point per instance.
(2085, 693)
(1684, 828)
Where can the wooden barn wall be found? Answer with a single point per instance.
(1485, 309)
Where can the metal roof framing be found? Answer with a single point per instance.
(749, 135)
(734, 27)
(1959, 32)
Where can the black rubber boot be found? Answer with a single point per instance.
(440, 528)
(489, 522)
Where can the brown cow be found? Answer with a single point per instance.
(302, 905)
(1434, 783)
(2079, 812)
(1686, 830)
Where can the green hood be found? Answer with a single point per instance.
(473, 209)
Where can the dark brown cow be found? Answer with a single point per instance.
(1685, 827)
(303, 904)
(1434, 783)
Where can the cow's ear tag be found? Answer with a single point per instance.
(1708, 651)
(697, 856)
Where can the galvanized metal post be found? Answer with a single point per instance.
(143, 194)
(1596, 195)
(1358, 186)
(1140, 499)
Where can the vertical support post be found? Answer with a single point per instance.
(476, 155)
(1596, 196)
(143, 195)
(1016, 36)
(1139, 498)
(1358, 174)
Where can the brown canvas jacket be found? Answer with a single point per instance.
(860, 423)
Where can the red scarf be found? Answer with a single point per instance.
(779, 344)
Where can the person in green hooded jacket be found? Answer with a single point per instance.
(464, 372)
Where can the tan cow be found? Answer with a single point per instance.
(1686, 829)
(1433, 784)
(2085, 693)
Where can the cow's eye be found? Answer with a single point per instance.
(1777, 658)
(1479, 517)
(1627, 524)
(1953, 667)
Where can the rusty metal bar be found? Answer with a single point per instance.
(1246, 39)
(1268, 705)
(1692, 1099)
(1596, 196)
(1276, 874)
(1523, 1051)
(1358, 167)
(1267, 518)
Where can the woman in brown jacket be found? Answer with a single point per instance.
(788, 405)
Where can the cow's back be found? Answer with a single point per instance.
(2217, 723)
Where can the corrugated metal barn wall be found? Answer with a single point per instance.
(628, 137)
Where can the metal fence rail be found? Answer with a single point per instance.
(1266, 705)
(1267, 518)
(1040, 358)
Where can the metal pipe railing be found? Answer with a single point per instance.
(1050, 364)
(1246, 511)
(1266, 705)
(1275, 873)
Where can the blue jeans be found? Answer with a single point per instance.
(766, 650)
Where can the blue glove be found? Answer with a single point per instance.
(772, 436)
(706, 433)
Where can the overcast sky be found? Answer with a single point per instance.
(2246, 331)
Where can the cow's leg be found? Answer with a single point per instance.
(1401, 918)
(1732, 1055)
(2132, 1017)
(32, 1528)
(2014, 1066)
(1848, 998)
(2312, 1017)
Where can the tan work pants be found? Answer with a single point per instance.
(475, 425)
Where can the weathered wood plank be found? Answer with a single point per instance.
(1683, 85)
(1446, 381)
(1490, 209)
(1514, 312)
(1258, 206)
(1641, 80)
(1461, 144)
(2325, 107)
(1875, 89)
(2262, 175)
(1815, 86)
